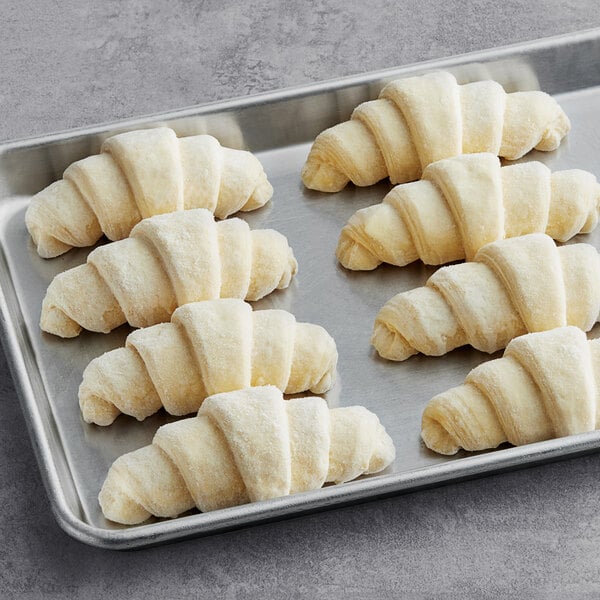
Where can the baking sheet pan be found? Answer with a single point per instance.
(74, 457)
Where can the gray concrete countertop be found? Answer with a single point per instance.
(533, 533)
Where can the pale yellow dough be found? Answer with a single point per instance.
(514, 286)
(463, 203)
(545, 386)
(168, 260)
(244, 446)
(208, 347)
(420, 120)
(139, 174)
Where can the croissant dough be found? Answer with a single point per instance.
(514, 286)
(208, 347)
(139, 174)
(545, 386)
(244, 446)
(420, 120)
(463, 203)
(168, 260)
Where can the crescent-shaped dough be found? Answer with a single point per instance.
(244, 446)
(169, 260)
(208, 347)
(463, 203)
(140, 174)
(545, 386)
(420, 120)
(514, 286)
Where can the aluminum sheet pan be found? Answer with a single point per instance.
(74, 457)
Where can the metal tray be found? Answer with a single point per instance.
(279, 126)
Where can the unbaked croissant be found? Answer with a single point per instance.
(514, 286)
(545, 386)
(463, 203)
(244, 446)
(420, 120)
(139, 174)
(208, 347)
(167, 261)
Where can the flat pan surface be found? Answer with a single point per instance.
(344, 303)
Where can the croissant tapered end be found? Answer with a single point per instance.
(513, 286)
(322, 177)
(461, 204)
(353, 255)
(556, 132)
(262, 193)
(58, 218)
(116, 504)
(244, 446)
(55, 321)
(169, 260)
(177, 365)
(291, 271)
(434, 435)
(545, 386)
(390, 344)
(420, 120)
(139, 174)
(328, 361)
(384, 451)
(532, 120)
(166, 492)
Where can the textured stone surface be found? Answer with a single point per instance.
(532, 533)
